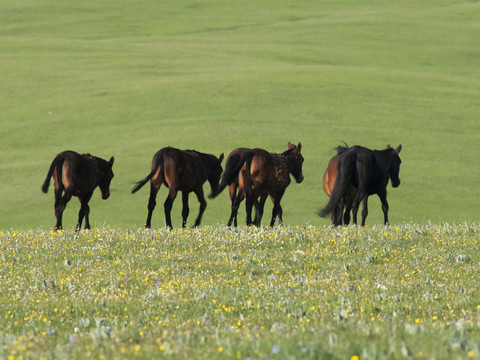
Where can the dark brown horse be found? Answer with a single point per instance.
(78, 175)
(236, 187)
(329, 178)
(181, 170)
(264, 174)
(369, 171)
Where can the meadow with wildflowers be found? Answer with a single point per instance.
(304, 292)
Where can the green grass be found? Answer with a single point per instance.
(129, 78)
(304, 292)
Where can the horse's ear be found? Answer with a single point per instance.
(389, 147)
(111, 161)
(220, 159)
(398, 149)
(299, 147)
(290, 145)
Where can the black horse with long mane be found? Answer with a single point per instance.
(181, 170)
(369, 171)
(78, 175)
(263, 174)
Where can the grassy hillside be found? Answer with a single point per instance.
(214, 293)
(127, 78)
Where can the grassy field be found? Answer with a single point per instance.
(304, 292)
(126, 79)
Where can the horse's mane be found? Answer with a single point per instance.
(286, 152)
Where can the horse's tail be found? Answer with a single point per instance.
(59, 159)
(345, 172)
(157, 164)
(340, 149)
(232, 168)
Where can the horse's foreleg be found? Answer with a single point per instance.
(277, 209)
(383, 199)
(203, 204)
(84, 211)
(151, 203)
(185, 208)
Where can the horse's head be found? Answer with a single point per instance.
(215, 173)
(105, 176)
(394, 169)
(295, 161)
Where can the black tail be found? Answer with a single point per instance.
(232, 168)
(346, 168)
(341, 149)
(158, 164)
(59, 159)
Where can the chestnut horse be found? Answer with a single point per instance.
(369, 171)
(181, 170)
(264, 174)
(328, 183)
(78, 175)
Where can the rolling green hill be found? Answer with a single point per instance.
(128, 78)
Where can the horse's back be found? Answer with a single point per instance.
(182, 169)
(236, 154)
(269, 171)
(260, 163)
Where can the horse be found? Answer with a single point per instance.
(78, 175)
(329, 177)
(236, 186)
(181, 170)
(369, 171)
(264, 174)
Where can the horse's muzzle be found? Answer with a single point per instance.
(105, 196)
(299, 180)
(396, 183)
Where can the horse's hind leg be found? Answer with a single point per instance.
(84, 211)
(203, 204)
(151, 203)
(364, 209)
(185, 208)
(60, 204)
(259, 206)
(249, 200)
(172, 194)
(356, 205)
(235, 205)
(232, 190)
(338, 213)
(348, 208)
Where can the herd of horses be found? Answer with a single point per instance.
(253, 175)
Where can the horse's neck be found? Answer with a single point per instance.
(207, 161)
(385, 158)
(282, 164)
